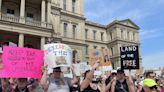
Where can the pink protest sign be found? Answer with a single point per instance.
(21, 62)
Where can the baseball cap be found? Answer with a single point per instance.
(120, 71)
(57, 68)
(149, 82)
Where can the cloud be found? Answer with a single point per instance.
(153, 60)
(108, 10)
(150, 34)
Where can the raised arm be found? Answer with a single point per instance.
(44, 80)
(108, 86)
(130, 84)
(75, 79)
(88, 78)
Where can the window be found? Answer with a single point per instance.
(111, 51)
(102, 35)
(73, 5)
(86, 50)
(64, 5)
(102, 48)
(74, 31)
(121, 33)
(86, 33)
(94, 35)
(10, 12)
(95, 47)
(74, 56)
(30, 16)
(65, 29)
(128, 35)
(134, 36)
(111, 35)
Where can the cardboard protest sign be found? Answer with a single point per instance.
(57, 54)
(107, 66)
(21, 62)
(83, 67)
(95, 55)
(103, 56)
(129, 57)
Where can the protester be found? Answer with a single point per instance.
(35, 85)
(57, 83)
(107, 87)
(150, 85)
(5, 85)
(76, 86)
(87, 85)
(122, 83)
(107, 82)
(21, 86)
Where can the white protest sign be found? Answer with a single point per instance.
(83, 67)
(57, 54)
(67, 72)
(98, 73)
(77, 69)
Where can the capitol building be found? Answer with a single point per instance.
(33, 23)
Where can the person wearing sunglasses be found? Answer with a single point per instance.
(150, 85)
(56, 82)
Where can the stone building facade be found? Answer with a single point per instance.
(37, 22)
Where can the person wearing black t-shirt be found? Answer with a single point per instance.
(87, 85)
(122, 83)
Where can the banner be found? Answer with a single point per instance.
(21, 62)
(129, 57)
(57, 54)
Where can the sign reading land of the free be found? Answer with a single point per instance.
(129, 57)
(21, 62)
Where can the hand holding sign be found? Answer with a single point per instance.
(96, 65)
(1, 66)
(21, 62)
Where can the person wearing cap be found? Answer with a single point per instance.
(150, 85)
(21, 85)
(107, 82)
(86, 84)
(122, 83)
(57, 83)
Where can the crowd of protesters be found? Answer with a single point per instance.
(55, 82)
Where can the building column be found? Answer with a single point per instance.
(22, 11)
(43, 12)
(21, 40)
(42, 43)
(0, 7)
(48, 11)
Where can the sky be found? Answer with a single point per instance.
(147, 14)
